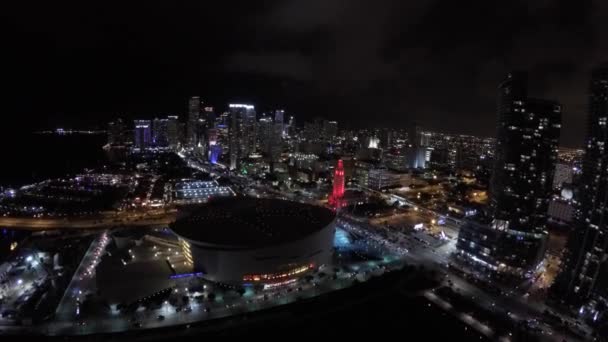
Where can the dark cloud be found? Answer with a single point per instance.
(437, 62)
(362, 62)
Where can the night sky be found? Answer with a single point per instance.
(379, 63)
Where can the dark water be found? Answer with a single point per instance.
(33, 157)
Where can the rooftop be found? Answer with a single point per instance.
(251, 222)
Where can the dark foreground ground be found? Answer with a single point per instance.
(382, 307)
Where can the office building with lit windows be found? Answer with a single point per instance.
(258, 241)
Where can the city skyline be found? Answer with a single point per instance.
(305, 74)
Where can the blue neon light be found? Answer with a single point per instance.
(341, 239)
(185, 275)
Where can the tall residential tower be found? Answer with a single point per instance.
(242, 133)
(194, 111)
(514, 238)
(585, 272)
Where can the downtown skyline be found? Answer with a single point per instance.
(433, 65)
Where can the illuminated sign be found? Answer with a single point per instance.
(186, 275)
(240, 105)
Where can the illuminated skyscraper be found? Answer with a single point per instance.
(525, 156)
(585, 272)
(194, 110)
(242, 135)
(142, 134)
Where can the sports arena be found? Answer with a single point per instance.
(252, 240)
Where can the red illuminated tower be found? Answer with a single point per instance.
(338, 192)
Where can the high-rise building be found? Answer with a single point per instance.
(414, 135)
(210, 117)
(117, 133)
(181, 133)
(585, 272)
(330, 130)
(415, 157)
(514, 241)
(265, 127)
(194, 110)
(142, 134)
(212, 136)
(173, 131)
(291, 126)
(416, 150)
(242, 134)
(386, 138)
(233, 140)
(396, 160)
(270, 138)
(425, 139)
(160, 132)
(276, 143)
(279, 116)
(279, 119)
(223, 120)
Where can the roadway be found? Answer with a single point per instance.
(101, 221)
(83, 279)
(438, 258)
